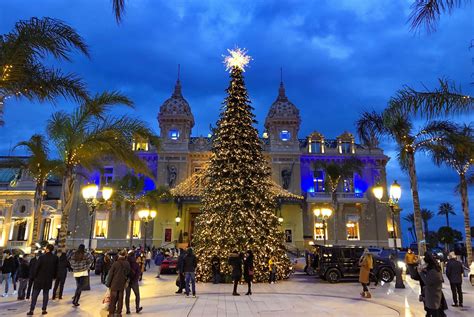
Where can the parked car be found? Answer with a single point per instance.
(337, 262)
(169, 265)
(375, 250)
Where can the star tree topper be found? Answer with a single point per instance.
(238, 58)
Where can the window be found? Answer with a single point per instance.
(136, 233)
(316, 147)
(319, 231)
(108, 176)
(140, 146)
(101, 225)
(173, 134)
(348, 185)
(285, 135)
(46, 229)
(345, 147)
(288, 236)
(319, 181)
(21, 233)
(352, 227)
(168, 233)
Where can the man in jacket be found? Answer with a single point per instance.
(159, 258)
(116, 281)
(133, 284)
(181, 285)
(61, 274)
(235, 260)
(33, 263)
(43, 275)
(189, 269)
(8, 268)
(454, 272)
(23, 277)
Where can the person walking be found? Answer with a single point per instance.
(33, 263)
(8, 268)
(180, 279)
(159, 258)
(432, 278)
(23, 277)
(216, 269)
(14, 275)
(141, 263)
(248, 271)
(454, 272)
(43, 275)
(61, 274)
(366, 264)
(117, 280)
(189, 269)
(80, 262)
(411, 260)
(133, 284)
(148, 259)
(273, 270)
(235, 260)
(105, 268)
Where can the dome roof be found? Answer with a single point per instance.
(176, 107)
(282, 109)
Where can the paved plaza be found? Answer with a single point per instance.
(301, 295)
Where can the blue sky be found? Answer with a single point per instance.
(338, 57)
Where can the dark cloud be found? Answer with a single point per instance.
(339, 58)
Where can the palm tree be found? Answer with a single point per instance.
(410, 218)
(119, 9)
(426, 216)
(456, 150)
(22, 71)
(427, 12)
(40, 167)
(335, 174)
(446, 209)
(395, 123)
(87, 135)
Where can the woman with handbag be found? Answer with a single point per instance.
(80, 262)
(248, 270)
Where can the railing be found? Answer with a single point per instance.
(340, 195)
(17, 244)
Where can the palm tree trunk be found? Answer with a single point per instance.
(69, 181)
(132, 218)
(37, 201)
(2, 122)
(416, 202)
(467, 224)
(447, 219)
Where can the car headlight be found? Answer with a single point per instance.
(401, 265)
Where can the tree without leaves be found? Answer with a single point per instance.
(446, 209)
(395, 123)
(89, 134)
(22, 72)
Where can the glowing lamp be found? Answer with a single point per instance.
(317, 212)
(90, 191)
(144, 213)
(326, 212)
(58, 226)
(107, 193)
(152, 214)
(178, 219)
(395, 192)
(377, 190)
(280, 219)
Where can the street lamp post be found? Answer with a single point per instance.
(146, 216)
(395, 194)
(323, 214)
(89, 192)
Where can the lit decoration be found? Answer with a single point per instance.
(238, 58)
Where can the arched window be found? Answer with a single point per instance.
(173, 134)
(285, 135)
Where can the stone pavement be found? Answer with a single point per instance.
(300, 295)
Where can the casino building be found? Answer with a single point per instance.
(178, 164)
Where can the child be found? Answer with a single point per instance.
(273, 269)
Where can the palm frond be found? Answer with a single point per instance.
(118, 7)
(370, 128)
(426, 13)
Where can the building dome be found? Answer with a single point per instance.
(282, 110)
(176, 107)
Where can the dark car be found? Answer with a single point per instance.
(169, 265)
(338, 262)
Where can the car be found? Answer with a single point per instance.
(337, 262)
(169, 265)
(375, 250)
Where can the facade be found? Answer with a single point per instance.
(181, 158)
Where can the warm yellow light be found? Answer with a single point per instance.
(326, 212)
(395, 192)
(90, 191)
(144, 213)
(107, 193)
(377, 190)
(178, 219)
(152, 214)
(317, 212)
(280, 219)
(58, 226)
(238, 58)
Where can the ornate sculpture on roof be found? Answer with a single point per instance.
(282, 109)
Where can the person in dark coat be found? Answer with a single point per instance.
(248, 270)
(235, 260)
(216, 269)
(7, 269)
(43, 275)
(180, 264)
(80, 262)
(33, 263)
(23, 277)
(116, 281)
(433, 282)
(61, 274)
(105, 268)
(189, 269)
(454, 272)
(133, 284)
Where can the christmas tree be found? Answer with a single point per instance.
(238, 205)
